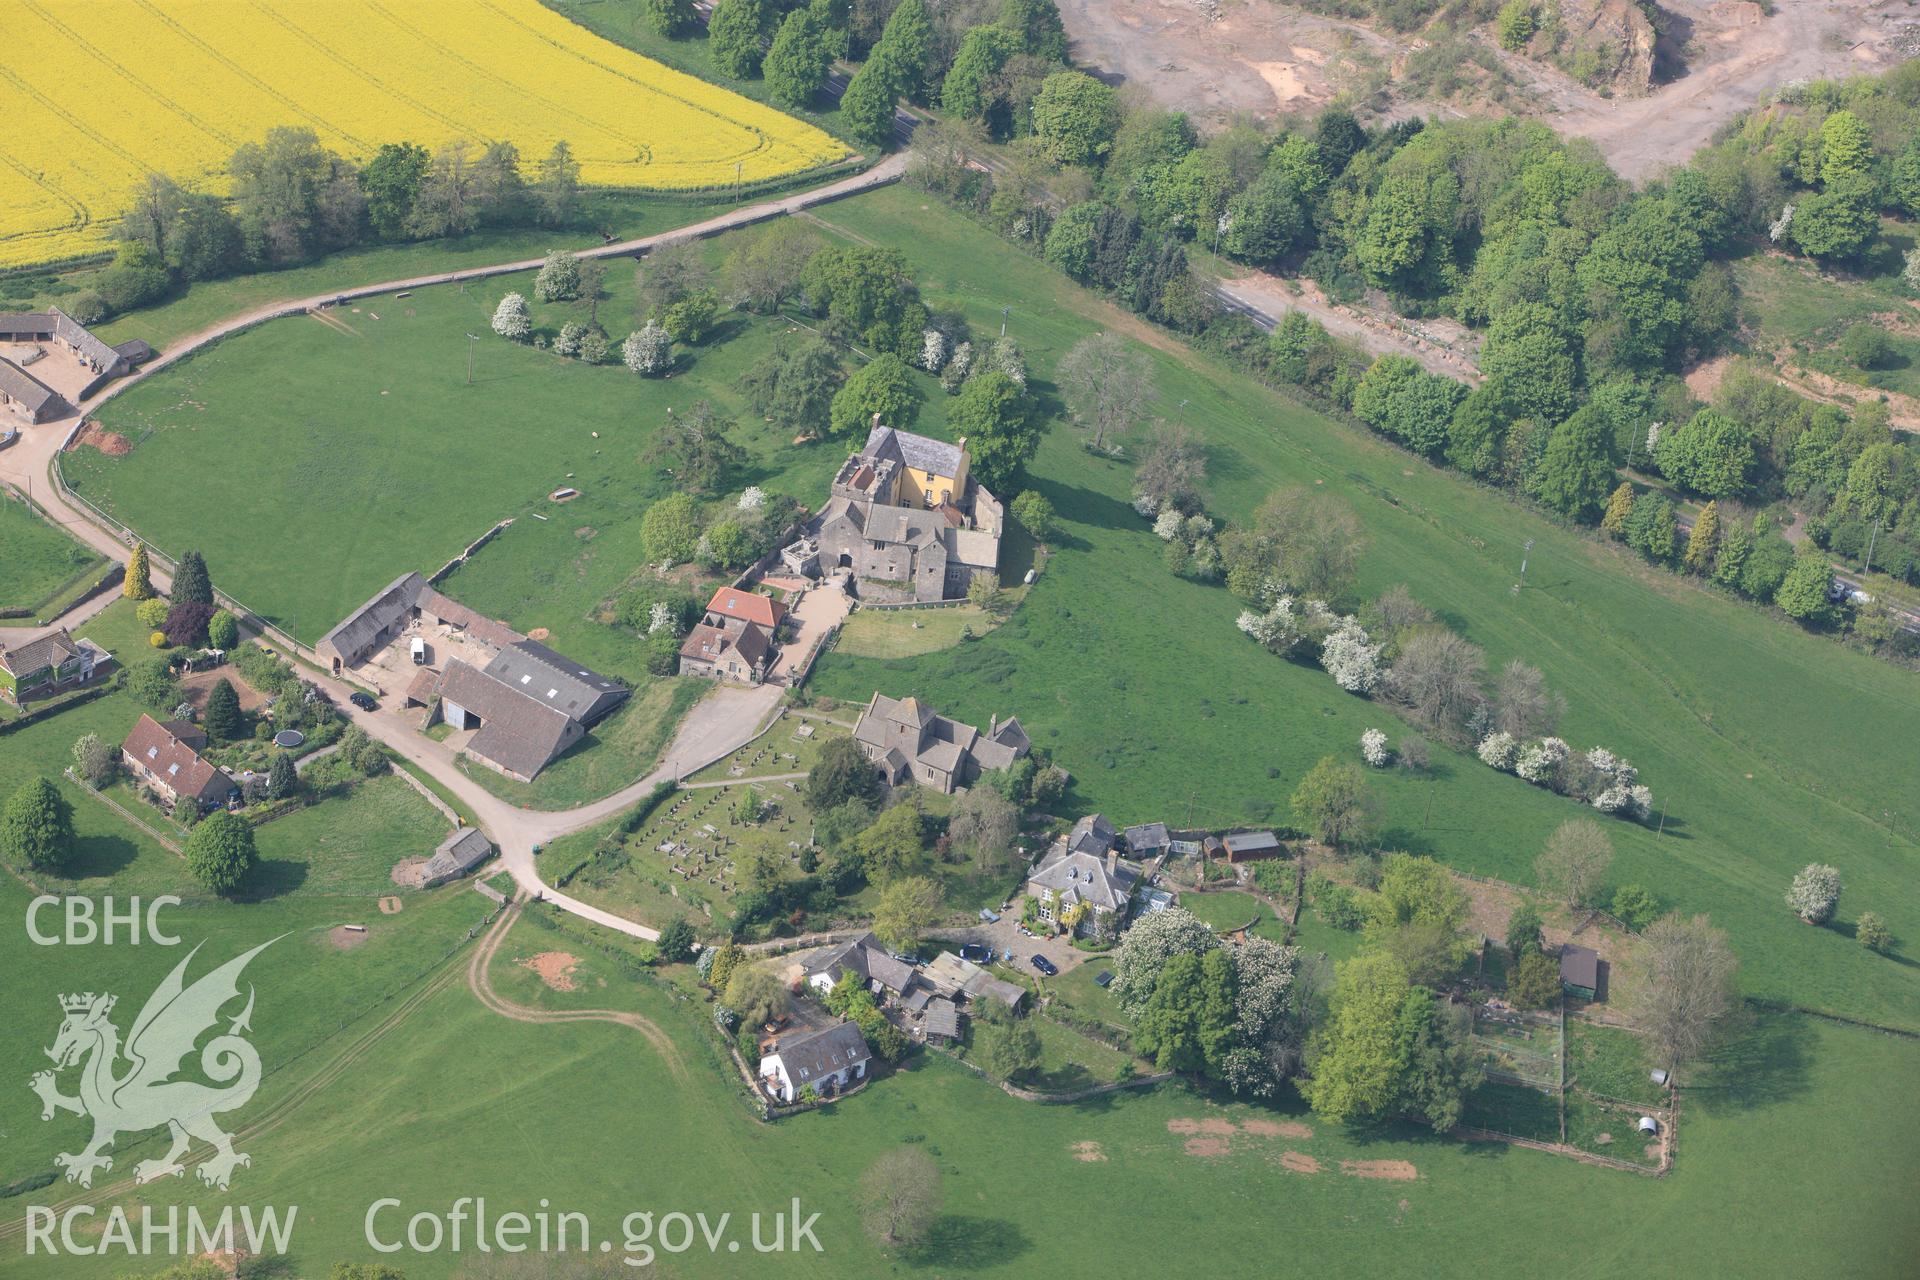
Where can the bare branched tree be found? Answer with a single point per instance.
(1106, 382)
(1689, 996)
(1522, 704)
(1438, 677)
(1575, 861)
(900, 1196)
(983, 827)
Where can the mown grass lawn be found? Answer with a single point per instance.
(908, 633)
(1765, 747)
(347, 845)
(39, 562)
(1229, 909)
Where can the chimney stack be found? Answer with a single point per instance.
(1113, 861)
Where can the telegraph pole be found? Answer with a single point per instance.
(1524, 551)
(471, 339)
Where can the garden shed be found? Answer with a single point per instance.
(1580, 971)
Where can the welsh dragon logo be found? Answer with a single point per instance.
(144, 1095)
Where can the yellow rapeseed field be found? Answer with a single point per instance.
(96, 93)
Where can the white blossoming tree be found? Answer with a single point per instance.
(752, 498)
(559, 278)
(1169, 525)
(649, 351)
(659, 617)
(933, 350)
(1347, 656)
(1539, 762)
(959, 367)
(1373, 748)
(1814, 893)
(1497, 751)
(1198, 527)
(571, 335)
(511, 320)
(1146, 504)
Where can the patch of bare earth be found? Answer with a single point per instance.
(345, 939)
(111, 443)
(1088, 1152)
(555, 968)
(1387, 1170)
(1207, 1147)
(1299, 1162)
(390, 906)
(1276, 1129)
(1213, 1126)
(407, 872)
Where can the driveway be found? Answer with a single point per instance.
(820, 610)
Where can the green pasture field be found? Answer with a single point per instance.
(1766, 748)
(369, 433)
(40, 561)
(518, 1102)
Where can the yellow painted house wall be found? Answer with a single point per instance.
(918, 482)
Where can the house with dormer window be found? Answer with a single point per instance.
(828, 1062)
(166, 759)
(1082, 884)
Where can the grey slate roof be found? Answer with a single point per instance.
(815, 1055)
(49, 650)
(24, 388)
(849, 956)
(555, 680)
(517, 732)
(1076, 876)
(942, 1018)
(357, 633)
(1147, 837)
(1245, 842)
(81, 339)
(458, 854)
(1091, 834)
(922, 453)
(1580, 966)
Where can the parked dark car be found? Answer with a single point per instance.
(1044, 965)
(978, 953)
(364, 701)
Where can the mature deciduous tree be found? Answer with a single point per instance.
(36, 827)
(220, 851)
(900, 1197)
(1334, 801)
(1106, 382)
(1574, 863)
(1689, 993)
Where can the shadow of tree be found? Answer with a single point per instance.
(1768, 1061)
(964, 1243)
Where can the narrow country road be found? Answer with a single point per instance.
(726, 719)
